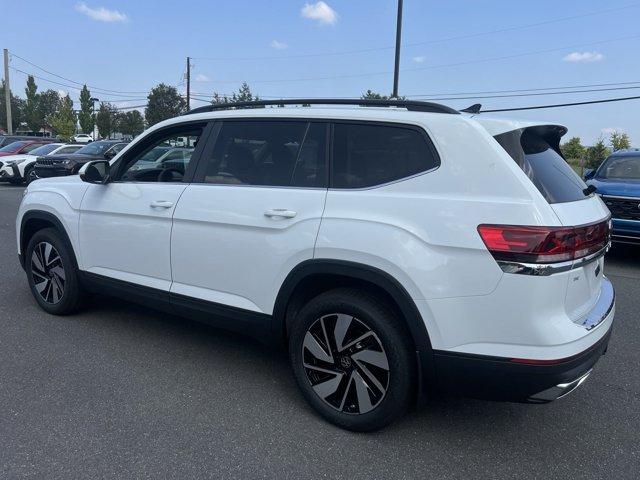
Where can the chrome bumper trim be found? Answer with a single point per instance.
(560, 390)
(601, 309)
(545, 269)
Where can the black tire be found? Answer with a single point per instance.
(62, 274)
(30, 174)
(389, 338)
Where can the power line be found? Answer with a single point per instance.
(124, 97)
(104, 90)
(558, 105)
(430, 67)
(428, 42)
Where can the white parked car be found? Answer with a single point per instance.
(83, 138)
(19, 169)
(394, 251)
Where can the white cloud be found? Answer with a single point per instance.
(62, 93)
(584, 57)
(101, 14)
(418, 59)
(278, 45)
(201, 77)
(320, 11)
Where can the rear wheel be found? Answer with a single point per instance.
(352, 359)
(51, 273)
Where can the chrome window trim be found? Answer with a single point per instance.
(545, 269)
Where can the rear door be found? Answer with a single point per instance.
(125, 225)
(251, 214)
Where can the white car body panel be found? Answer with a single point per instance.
(214, 243)
(223, 228)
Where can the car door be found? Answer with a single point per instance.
(125, 225)
(252, 213)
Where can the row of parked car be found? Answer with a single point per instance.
(22, 161)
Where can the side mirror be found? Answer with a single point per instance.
(110, 154)
(589, 173)
(95, 172)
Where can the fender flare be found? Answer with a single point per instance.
(380, 279)
(48, 217)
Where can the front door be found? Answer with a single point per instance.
(125, 225)
(252, 212)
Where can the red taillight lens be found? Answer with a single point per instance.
(543, 244)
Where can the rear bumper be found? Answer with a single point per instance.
(497, 378)
(530, 379)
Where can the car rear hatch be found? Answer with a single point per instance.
(585, 231)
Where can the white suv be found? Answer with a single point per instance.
(82, 138)
(395, 248)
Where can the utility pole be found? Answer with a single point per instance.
(7, 92)
(188, 83)
(396, 70)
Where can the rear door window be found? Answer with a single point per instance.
(533, 150)
(269, 153)
(369, 154)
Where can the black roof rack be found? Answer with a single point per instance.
(412, 105)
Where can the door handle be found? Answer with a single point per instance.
(161, 204)
(280, 212)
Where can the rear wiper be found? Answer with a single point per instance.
(589, 190)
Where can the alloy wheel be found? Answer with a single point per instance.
(345, 363)
(47, 271)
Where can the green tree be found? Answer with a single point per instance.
(64, 120)
(48, 104)
(596, 154)
(106, 119)
(17, 110)
(31, 111)
(619, 141)
(85, 116)
(163, 102)
(371, 95)
(573, 149)
(243, 94)
(130, 123)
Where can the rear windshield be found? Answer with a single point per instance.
(550, 173)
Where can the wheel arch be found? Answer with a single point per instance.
(313, 277)
(36, 220)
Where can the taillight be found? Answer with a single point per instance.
(544, 244)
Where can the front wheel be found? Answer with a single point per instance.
(352, 359)
(30, 175)
(51, 273)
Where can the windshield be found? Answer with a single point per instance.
(44, 150)
(12, 147)
(95, 148)
(620, 168)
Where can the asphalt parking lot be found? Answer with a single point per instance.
(121, 391)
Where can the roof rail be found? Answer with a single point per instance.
(412, 105)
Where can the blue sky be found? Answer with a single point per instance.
(279, 47)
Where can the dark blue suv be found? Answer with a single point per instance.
(617, 181)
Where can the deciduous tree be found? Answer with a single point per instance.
(31, 111)
(596, 154)
(164, 102)
(17, 110)
(106, 119)
(85, 116)
(619, 141)
(130, 123)
(63, 121)
(573, 149)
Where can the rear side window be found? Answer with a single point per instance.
(533, 151)
(269, 153)
(366, 155)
